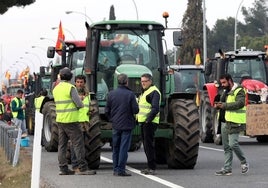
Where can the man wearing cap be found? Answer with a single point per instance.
(68, 104)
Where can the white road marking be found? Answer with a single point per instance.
(209, 148)
(152, 177)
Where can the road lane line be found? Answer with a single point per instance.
(215, 149)
(154, 178)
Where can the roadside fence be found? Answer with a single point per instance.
(10, 137)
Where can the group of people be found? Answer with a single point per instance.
(124, 110)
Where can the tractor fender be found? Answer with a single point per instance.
(212, 91)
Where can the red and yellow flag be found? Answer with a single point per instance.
(7, 75)
(197, 57)
(60, 39)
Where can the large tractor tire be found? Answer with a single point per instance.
(92, 137)
(206, 129)
(135, 143)
(183, 149)
(161, 150)
(50, 137)
(30, 120)
(262, 139)
(30, 113)
(216, 137)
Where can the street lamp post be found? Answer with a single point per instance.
(31, 61)
(53, 28)
(39, 48)
(235, 26)
(44, 38)
(23, 63)
(70, 12)
(34, 54)
(204, 33)
(136, 9)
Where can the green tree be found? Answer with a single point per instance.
(256, 20)
(192, 27)
(221, 36)
(251, 34)
(6, 4)
(112, 13)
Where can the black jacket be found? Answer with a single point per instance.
(121, 107)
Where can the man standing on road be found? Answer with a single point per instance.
(68, 104)
(148, 117)
(84, 113)
(38, 101)
(120, 109)
(235, 117)
(18, 108)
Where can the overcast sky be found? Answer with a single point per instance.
(21, 28)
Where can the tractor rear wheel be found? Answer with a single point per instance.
(30, 120)
(206, 129)
(183, 149)
(92, 138)
(216, 137)
(50, 137)
(161, 150)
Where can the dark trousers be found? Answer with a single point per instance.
(121, 144)
(73, 132)
(147, 133)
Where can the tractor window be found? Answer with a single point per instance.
(132, 52)
(248, 67)
(78, 58)
(189, 80)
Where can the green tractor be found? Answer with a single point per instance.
(41, 80)
(135, 48)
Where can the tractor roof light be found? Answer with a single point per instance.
(108, 27)
(150, 27)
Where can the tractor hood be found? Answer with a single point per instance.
(132, 70)
(253, 85)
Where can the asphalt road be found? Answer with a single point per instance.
(210, 159)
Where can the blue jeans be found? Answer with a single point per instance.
(20, 123)
(230, 144)
(121, 144)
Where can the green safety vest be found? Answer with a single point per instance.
(235, 116)
(15, 114)
(2, 108)
(66, 109)
(145, 107)
(84, 112)
(38, 102)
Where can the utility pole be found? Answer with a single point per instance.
(204, 33)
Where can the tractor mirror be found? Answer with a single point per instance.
(50, 52)
(177, 38)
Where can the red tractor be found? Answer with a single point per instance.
(241, 64)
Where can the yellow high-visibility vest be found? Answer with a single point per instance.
(66, 109)
(235, 116)
(84, 112)
(145, 107)
(38, 102)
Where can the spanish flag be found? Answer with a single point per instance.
(7, 75)
(60, 39)
(197, 57)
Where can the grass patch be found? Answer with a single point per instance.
(18, 176)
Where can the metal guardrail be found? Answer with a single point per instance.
(8, 139)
